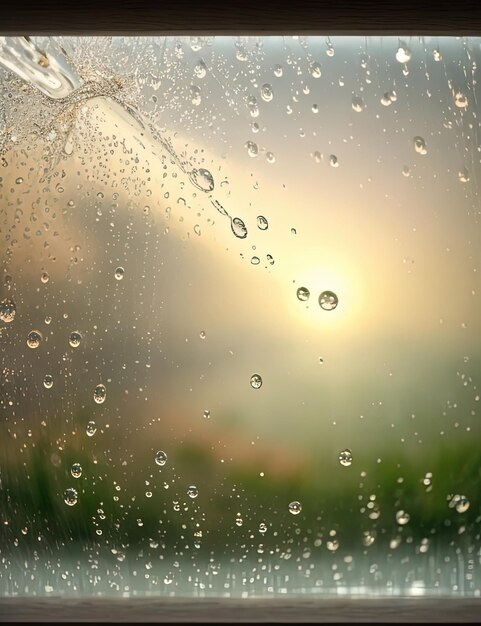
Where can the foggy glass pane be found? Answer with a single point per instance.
(240, 316)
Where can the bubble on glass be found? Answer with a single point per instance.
(266, 92)
(202, 179)
(402, 518)
(252, 149)
(76, 470)
(8, 310)
(316, 70)
(192, 492)
(91, 428)
(345, 457)
(357, 104)
(48, 381)
(303, 294)
(239, 228)
(161, 458)
(70, 496)
(403, 54)
(74, 339)
(262, 528)
(256, 381)
(34, 339)
(420, 145)
(333, 160)
(44, 277)
(262, 222)
(100, 393)
(295, 507)
(328, 300)
(119, 273)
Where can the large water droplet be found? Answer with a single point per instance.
(256, 381)
(328, 300)
(357, 104)
(74, 339)
(238, 228)
(262, 223)
(160, 458)
(461, 503)
(48, 381)
(402, 517)
(202, 179)
(34, 338)
(345, 457)
(7, 310)
(420, 145)
(303, 294)
(119, 273)
(91, 428)
(403, 54)
(76, 470)
(100, 393)
(192, 492)
(70, 496)
(295, 507)
(266, 92)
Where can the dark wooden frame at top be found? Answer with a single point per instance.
(237, 17)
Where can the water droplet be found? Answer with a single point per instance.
(345, 457)
(48, 381)
(460, 100)
(161, 458)
(406, 171)
(239, 228)
(202, 179)
(303, 294)
(357, 104)
(463, 175)
(255, 260)
(317, 156)
(44, 277)
(76, 470)
(295, 507)
(195, 95)
(252, 149)
(402, 517)
(437, 55)
(34, 338)
(278, 71)
(262, 528)
(206, 414)
(328, 300)
(332, 545)
(202, 334)
(119, 273)
(315, 108)
(70, 496)
(270, 259)
(266, 92)
(369, 537)
(91, 428)
(330, 50)
(316, 70)
(256, 381)
(238, 520)
(7, 310)
(420, 145)
(403, 54)
(333, 162)
(74, 339)
(270, 157)
(192, 491)
(386, 99)
(461, 503)
(200, 69)
(100, 393)
(262, 223)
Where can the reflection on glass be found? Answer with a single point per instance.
(189, 228)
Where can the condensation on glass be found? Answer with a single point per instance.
(240, 316)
